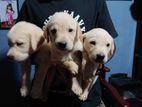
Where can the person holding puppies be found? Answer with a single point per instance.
(88, 13)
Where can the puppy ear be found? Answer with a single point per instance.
(46, 34)
(78, 45)
(84, 37)
(112, 51)
(36, 40)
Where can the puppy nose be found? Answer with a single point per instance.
(61, 45)
(11, 57)
(100, 57)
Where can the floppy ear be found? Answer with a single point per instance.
(84, 37)
(78, 45)
(37, 39)
(112, 51)
(46, 34)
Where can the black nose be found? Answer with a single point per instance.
(100, 57)
(10, 57)
(61, 45)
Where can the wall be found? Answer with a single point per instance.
(121, 62)
(126, 27)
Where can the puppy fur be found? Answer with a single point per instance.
(28, 46)
(99, 47)
(65, 39)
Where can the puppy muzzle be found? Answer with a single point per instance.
(61, 45)
(100, 58)
(11, 57)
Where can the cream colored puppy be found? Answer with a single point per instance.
(65, 40)
(28, 46)
(99, 48)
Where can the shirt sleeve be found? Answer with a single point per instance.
(23, 15)
(104, 19)
(30, 12)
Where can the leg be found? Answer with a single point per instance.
(25, 85)
(85, 93)
(38, 82)
(88, 88)
(76, 87)
(94, 97)
(49, 79)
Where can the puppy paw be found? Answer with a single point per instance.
(83, 96)
(24, 91)
(76, 89)
(74, 69)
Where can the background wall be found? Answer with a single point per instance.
(126, 28)
(121, 62)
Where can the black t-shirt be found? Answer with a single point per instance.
(89, 13)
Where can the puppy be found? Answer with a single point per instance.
(28, 46)
(65, 42)
(99, 47)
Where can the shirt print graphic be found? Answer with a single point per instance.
(72, 13)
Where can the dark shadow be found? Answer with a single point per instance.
(9, 87)
(10, 95)
(136, 9)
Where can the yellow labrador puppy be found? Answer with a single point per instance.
(27, 46)
(65, 40)
(99, 48)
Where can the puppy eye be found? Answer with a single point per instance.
(70, 30)
(93, 42)
(108, 45)
(53, 31)
(19, 43)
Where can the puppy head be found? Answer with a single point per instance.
(23, 39)
(99, 45)
(63, 32)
